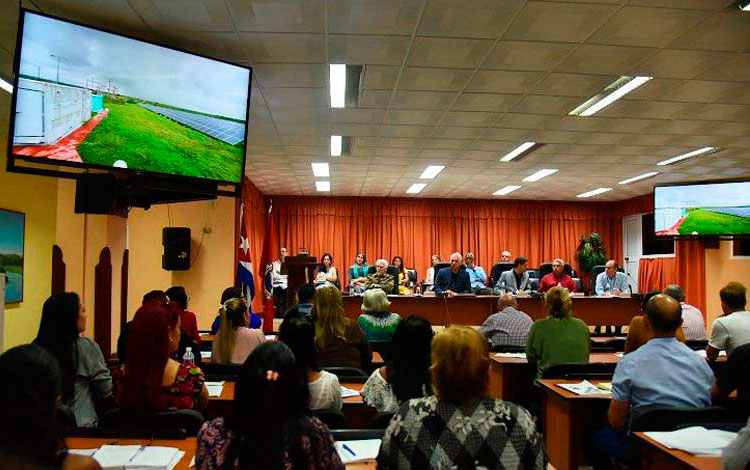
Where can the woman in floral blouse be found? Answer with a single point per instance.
(153, 381)
(460, 427)
(279, 434)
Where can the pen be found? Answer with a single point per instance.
(347, 448)
(140, 449)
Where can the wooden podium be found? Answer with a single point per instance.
(300, 270)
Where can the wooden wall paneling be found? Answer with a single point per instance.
(103, 302)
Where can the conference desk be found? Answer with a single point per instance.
(473, 310)
(656, 456)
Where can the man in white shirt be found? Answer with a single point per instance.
(611, 282)
(279, 282)
(693, 323)
(477, 276)
(733, 329)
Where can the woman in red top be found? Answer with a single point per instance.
(188, 322)
(153, 381)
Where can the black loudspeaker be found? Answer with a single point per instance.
(176, 241)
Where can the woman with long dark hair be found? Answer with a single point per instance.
(406, 374)
(31, 437)
(153, 380)
(403, 275)
(327, 274)
(86, 379)
(270, 426)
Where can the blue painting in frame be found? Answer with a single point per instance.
(11, 253)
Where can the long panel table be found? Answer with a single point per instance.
(473, 310)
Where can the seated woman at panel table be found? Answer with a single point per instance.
(235, 341)
(358, 269)
(459, 427)
(638, 332)
(558, 338)
(403, 276)
(31, 437)
(407, 373)
(86, 378)
(327, 274)
(339, 340)
(153, 381)
(325, 390)
(376, 321)
(270, 426)
(429, 280)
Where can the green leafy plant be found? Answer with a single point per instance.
(590, 253)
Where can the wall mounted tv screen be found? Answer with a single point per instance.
(702, 209)
(90, 98)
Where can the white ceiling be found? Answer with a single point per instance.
(460, 83)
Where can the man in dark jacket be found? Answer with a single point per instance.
(453, 280)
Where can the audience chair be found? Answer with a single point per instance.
(348, 374)
(544, 269)
(533, 273)
(534, 283)
(507, 349)
(334, 419)
(393, 271)
(382, 347)
(662, 418)
(576, 371)
(188, 420)
(381, 420)
(127, 433)
(498, 269)
(697, 344)
(356, 434)
(440, 266)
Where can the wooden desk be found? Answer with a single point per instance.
(188, 445)
(510, 377)
(569, 421)
(656, 456)
(473, 310)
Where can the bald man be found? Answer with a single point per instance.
(509, 326)
(662, 372)
(454, 279)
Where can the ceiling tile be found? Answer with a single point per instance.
(294, 16)
(417, 78)
(504, 82)
(291, 75)
(649, 27)
(183, 15)
(378, 77)
(546, 104)
(432, 100)
(605, 60)
(373, 16)
(360, 49)
(448, 52)
(470, 19)
(676, 63)
(564, 22)
(727, 31)
(567, 84)
(284, 47)
(485, 102)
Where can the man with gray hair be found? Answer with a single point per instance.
(557, 278)
(693, 323)
(610, 281)
(509, 326)
(454, 279)
(380, 279)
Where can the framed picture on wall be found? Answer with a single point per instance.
(11, 253)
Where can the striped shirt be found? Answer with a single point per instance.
(693, 323)
(509, 327)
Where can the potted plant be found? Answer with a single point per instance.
(590, 253)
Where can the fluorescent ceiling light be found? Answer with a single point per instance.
(323, 186)
(338, 85)
(6, 86)
(320, 170)
(431, 172)
(639, 177)
(540, 174)
(517, 151)
(694, 153)
(415, 188)
(616, 90)
(506, 190)
(335, 145)
(595, 192)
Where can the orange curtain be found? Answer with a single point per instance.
(656, 274)
(255, 222)
(418, 228)
(691, 271)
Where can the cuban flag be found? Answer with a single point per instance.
(266, 260)
(244, 262)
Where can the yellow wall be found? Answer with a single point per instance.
(721, 268)
(36, 197)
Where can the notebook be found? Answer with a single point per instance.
(135, 457)
(695, 439)
(358, 451)
(583, 388)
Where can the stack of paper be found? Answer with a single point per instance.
(348, 392)
(214, 388)
(138, 457)
(206, 355)
(358, 451)
(696, 439)
(521, 355)
(583, 388)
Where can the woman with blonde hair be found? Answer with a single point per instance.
(429, 280)
(339, 340)
(460, 427)
(235, 341)
(559, 337)
(376, 321)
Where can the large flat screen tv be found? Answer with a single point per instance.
(93, 99)
(718, 208)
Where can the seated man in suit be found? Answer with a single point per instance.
(477, 276)
(662, 372)
(454, 279)
(611, 282)
(557, 278)
(514, 280)
(380, 279)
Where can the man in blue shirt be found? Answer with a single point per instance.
(611, 282)
(453, 280)
(477, 276)
(662, 372)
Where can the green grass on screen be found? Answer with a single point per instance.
(707, 223)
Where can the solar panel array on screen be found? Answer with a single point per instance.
(227, 131)
(738, 211)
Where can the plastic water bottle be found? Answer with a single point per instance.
(188, 359)
(607, 290)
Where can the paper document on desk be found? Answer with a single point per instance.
(86, 452)
(348, 392)
(206, 355)
(137, 457)
(583, 388)
(358, 451)
(702, 353)
(214, 388)
(620, 354)
(695, 439)
(516, 355)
